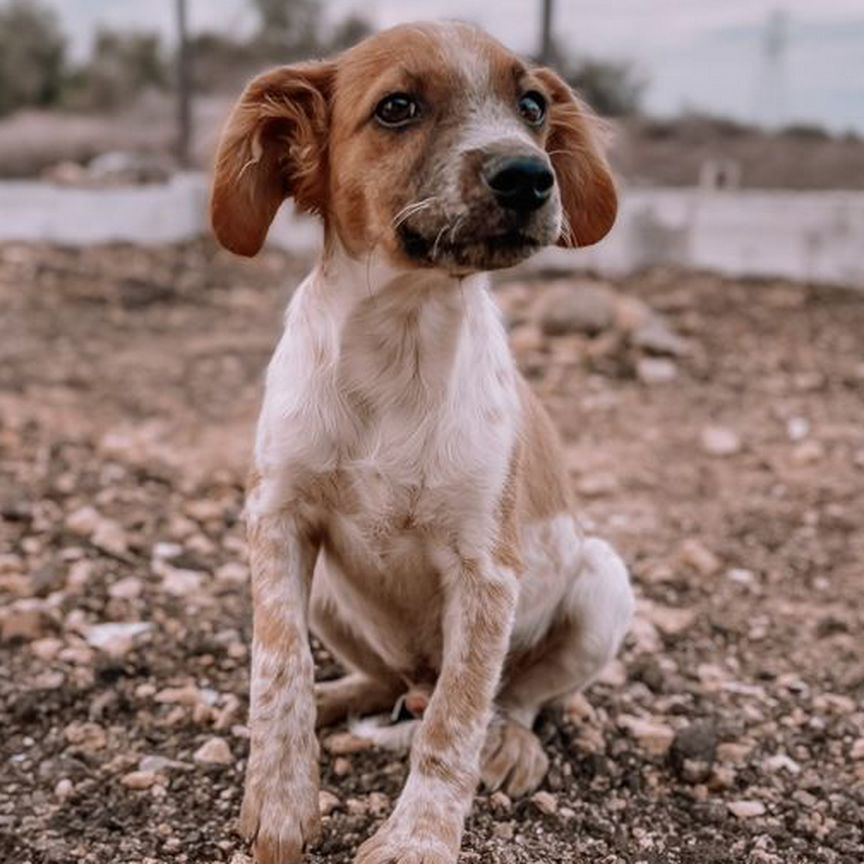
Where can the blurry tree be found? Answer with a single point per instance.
(612, 88)
(221, 62)
(122, 65)
(32, 51)
(288, 28)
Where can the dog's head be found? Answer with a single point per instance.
(430, 142)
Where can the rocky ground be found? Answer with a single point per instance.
(714, 432)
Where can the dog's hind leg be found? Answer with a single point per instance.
(585, 636)
(368, 688)
(353, 695)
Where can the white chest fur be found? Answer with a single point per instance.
(389, 410)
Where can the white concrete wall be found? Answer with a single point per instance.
(816, 236)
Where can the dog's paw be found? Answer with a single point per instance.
(394, 844)
(280, 824)
(513, 759)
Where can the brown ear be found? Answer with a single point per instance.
(588, 194)
(274, 146)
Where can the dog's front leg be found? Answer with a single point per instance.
(426, 824)
(280, 804)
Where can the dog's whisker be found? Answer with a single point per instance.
(434, 252)
(456, 225)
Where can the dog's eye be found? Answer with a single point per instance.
(532, 107)
(398, 109)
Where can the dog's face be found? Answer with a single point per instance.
(432, 143)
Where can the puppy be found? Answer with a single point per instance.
(409, 500)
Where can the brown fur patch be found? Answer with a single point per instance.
(273, 146)
(544, 489)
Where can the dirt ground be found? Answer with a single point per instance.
(725, 456)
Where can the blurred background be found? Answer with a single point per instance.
(690, 80)
(704, 363)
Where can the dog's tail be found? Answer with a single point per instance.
(385, 734)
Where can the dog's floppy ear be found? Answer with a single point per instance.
(574, 144)
(274, 146)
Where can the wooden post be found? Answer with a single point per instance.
(546, 45)
(184, 88)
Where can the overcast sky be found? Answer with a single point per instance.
(695, 53)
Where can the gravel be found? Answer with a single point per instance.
(731, 729)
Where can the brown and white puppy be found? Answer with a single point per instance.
(409, 499)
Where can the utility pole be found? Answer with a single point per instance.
(546, 45)
(184, 87)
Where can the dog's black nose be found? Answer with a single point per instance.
(522, 183)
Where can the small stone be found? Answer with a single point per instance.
(526, 338)
(781, 762)
(116, 638)
(139, 780)
(11, 563)
(741, 576)
(656, 337)
(644, 631)
(694, 750)
(655, 738)
(545, 802)
(328, 802)
(163, 551)
(596, 485)
(16, 584)
(631, 313)
(186, 695)
(746, 809)
(128, 588)
(695, 771)
(857, 751)
(345, 744)
(233, 573)
(503, 830)
(22, 624)
(722, 777)
(797, 428)
(205, 510)
(590, 740)
(47, 648)
(110, 537)
(64, 788)
(656, 370)
(733, 753)
(720, 441)
(356, 807)
(808, 452)
(669, 620)
(157, 764)
(342, 767)
(180, 582)
(694, 554)
(79, 575)
(86, 737)
(214, 751)
(83, 521)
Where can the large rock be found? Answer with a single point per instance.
(576, 307)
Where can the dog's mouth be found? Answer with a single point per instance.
(491, 251)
